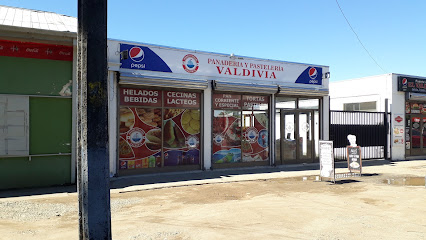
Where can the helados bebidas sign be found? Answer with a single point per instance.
(152, 58)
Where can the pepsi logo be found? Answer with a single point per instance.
(313, 73)
(136, 54)
(404, 81)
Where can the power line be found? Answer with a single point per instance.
(359, 40)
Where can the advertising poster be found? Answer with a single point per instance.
(407, 133)
(140, 138)
(255, 136)
(415, 132)
(326, 158)
(158, 128)
(417, 108)
(140, 129)
(226, 136)
(407, 107)
(181, 140)
(398, 130)
(354, 159)
(226, 128)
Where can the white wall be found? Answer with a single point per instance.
(397, 108)
(374, 88)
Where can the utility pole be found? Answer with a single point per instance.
(92, 125)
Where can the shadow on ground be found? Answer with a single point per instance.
(126, 181)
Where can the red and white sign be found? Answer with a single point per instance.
(35, 50)
(226, 101)
(181, 99)
(140, 97)
(399, 119)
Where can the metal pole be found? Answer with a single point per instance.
(92, 125)
(387, 128)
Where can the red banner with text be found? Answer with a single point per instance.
(35, 50)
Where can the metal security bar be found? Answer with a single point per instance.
(370, 129)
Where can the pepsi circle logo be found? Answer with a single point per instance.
(313, 73)
(404, 81)
(190, 63)
(136, 54)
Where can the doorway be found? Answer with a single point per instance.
(418, 134)
(295, 137)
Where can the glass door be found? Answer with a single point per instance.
(418, 135)
(288, 148)
(305, 136)
(295, 138)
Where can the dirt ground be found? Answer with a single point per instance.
(379, 205)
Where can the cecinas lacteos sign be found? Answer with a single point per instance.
(151, 58)
(409, 84)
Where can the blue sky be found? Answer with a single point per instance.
(306, 31)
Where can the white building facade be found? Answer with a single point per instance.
(402, 95)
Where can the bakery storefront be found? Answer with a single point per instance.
(180, 110)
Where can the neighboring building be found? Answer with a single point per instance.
(37, 58)
(176, 109)
(361, 94)
(406, 97)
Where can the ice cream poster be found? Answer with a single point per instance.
(140, 138)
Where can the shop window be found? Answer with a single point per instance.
(286, 102)
(158, 128)
(240, 128)
(361, 106)
(309, 103)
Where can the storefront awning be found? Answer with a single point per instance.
(244, 87)
(134, 79)
(316, 92)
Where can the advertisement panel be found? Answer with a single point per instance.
(181, 139)
(398, 130)
(409, 84)
(140, 138)
(326, 158)
(36, 50)
(139, 57)
(255, 142)
(158, 128)
(240, 128)
(354, 159)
